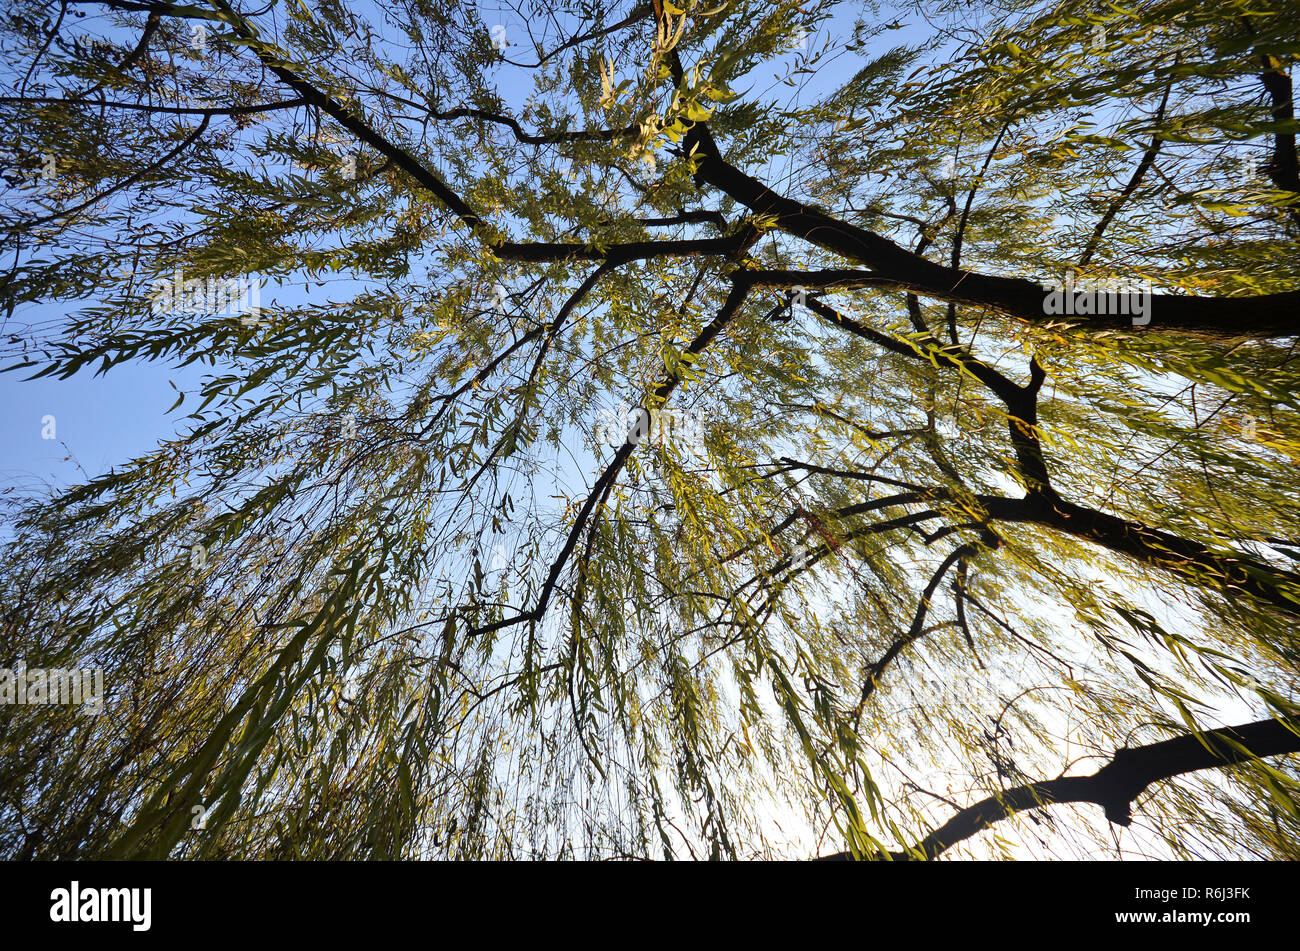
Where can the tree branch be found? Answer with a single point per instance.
(1148, 159)
(961, 553)
(1118, 783)
(1268, 315)
(1283, 169)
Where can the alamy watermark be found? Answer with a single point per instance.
(1101, 297)
(633, 424)
(229, 296)
(40, 687)
(77, 903)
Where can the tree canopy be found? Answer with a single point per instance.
(655, 436)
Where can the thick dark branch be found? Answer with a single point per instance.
(616, 254)
(160, 110)
(1192, 561)
(153, 6)
(427, 179)
(1195, 563)
(335, 110)
(1119, 782)
(1269, 315)
(1283, 169)
(699, 217)
(528, 138)
(1021, 401)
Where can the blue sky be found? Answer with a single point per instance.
(99, 421)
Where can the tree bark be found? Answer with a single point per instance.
(1115, 785)
(1264, 316)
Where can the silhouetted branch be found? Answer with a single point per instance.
(1268, 315)
(1148, 159)
(1117, 784)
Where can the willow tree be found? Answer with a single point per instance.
(885, 548)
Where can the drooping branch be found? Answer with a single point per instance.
(310, 94)
(1118, 783)
(736, 297)
(639, 13)
(959, 554)
(151, 25)
(130, 179)
(1189, 560)
(158, 109)
(530, 138)
(336, 111)
(1148, 159)
(521, 134)
(960, 235)
(1193, 562)
(1021, 401)
(741, 241)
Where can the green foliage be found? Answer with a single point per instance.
(435, 616)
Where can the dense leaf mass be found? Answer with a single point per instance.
(657, 437)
